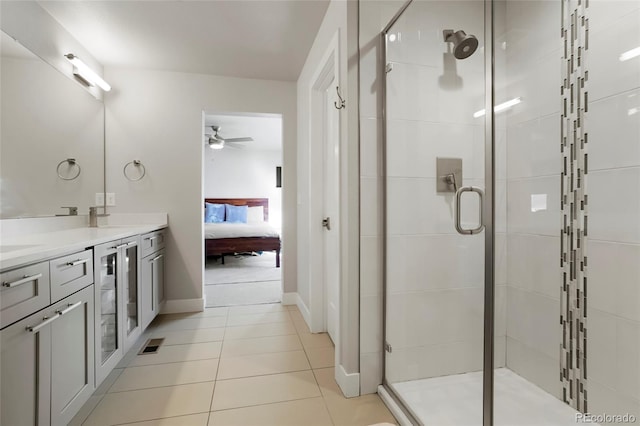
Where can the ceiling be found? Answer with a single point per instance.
(265, 129)
(263, 39)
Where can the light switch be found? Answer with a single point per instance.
(99, 199)
(111, 198)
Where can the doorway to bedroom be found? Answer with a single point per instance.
(242, 209)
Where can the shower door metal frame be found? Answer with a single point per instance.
(488, 208)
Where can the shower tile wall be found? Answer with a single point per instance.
(532, 71)
(530, 49)
(613, 301)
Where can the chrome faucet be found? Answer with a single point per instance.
(73, 211)
(93, 217)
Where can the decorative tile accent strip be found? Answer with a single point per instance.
(573, 145)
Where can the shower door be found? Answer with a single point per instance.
(437, 152)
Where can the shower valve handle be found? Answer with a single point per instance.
(451, 180)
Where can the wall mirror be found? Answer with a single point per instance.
(51, 138)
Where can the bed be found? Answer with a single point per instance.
(228, 238)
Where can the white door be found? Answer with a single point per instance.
(331, 194)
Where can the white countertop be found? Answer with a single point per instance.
(23, 249)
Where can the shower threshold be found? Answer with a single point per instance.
(457, 400)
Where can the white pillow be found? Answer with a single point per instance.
(255, 214)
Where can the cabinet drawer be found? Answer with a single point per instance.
(70, 274)
(24, 291)
(152, 242)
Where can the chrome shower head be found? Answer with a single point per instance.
(463, 45)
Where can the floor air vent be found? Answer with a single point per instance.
(151, 347)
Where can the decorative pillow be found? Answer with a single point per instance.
(214, 213)
(236, 214)
(255, 214)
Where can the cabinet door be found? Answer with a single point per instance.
(25, 370)
(72, 356)
(152, 286)
(158, 280)
(130, 279)
(147, 302)
(108, 337)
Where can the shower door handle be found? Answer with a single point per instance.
(458, 213)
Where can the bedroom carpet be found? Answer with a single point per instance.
(243, 280)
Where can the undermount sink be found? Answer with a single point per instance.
(4, 249)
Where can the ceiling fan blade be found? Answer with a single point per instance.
(232, 146)
(238, 140)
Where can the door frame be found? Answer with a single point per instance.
(284, 188)
(327, 74)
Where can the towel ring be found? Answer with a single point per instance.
(136, 163)
(72, 162)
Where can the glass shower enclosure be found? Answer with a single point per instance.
(506, 127)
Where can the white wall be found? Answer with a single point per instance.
(157, 117)
(235, 173)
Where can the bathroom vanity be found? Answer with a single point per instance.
(72, 302)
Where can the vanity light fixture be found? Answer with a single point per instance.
(86, 74)
(499, 107)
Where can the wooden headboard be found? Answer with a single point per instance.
(251, 202)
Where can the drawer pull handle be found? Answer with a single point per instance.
(77, 262)
(46, 321)
(130, 243)
(23, 280)
(152, 238)
(70, 307)
(157, 257)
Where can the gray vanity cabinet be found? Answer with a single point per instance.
(152, 276)
(117, 291)
(46, 363)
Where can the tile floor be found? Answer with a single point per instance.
(242, 365)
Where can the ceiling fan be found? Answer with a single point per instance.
(216, 141)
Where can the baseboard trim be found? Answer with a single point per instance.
(349, 382)
(289, 298)
(393, 406)
(178, 306)
(304, 310)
